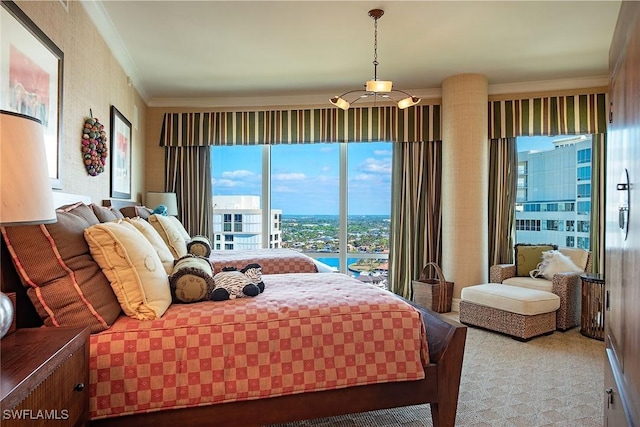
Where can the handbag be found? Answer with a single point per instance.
(434, 293)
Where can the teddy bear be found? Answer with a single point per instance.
(231, 283)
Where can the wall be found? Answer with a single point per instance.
(94, 80)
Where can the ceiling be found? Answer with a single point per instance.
(180, 53)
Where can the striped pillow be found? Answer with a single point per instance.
(64, 283)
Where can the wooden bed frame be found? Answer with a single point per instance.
(440, 388)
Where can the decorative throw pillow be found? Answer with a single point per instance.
(171, 234)
(200, 246)
(64, 283)
(106, 214)
(183, 231)
(147, 230)
(529, 256)
(554, 262)
(192, 279)
(136, 211)
(133, 268)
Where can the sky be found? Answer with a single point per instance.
(305, 177)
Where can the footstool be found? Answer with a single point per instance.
(522, 313)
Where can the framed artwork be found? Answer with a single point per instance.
(120, 155)
(31, 69)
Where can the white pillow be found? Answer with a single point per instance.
(180, 227)
(133, 268)
(171, 235)
(143, 226)
(554, 262)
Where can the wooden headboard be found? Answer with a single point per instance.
(119, 203)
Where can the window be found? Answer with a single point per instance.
(584, 190)
(584, 156)
(584, 173)
(228, 238)
(584, 226)
(554, 188)
(331, 201)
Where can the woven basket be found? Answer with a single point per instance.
(434, 293)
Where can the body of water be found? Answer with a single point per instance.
(335, 262)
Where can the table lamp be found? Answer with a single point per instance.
(155, 199)
(25, 192)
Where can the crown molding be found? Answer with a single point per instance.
(102, 21)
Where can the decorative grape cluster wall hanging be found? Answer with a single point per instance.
(94, 146)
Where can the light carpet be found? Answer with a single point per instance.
(554, 380)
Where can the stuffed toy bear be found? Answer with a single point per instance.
(231, 283)
(191, 279)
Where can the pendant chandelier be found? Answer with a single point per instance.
(376, 88)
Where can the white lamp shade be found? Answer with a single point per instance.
(340, 103)
(25, 190)
(379, 86)
(409, 101)
(155, 199)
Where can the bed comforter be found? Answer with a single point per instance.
(305, 332)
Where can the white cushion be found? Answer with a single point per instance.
(133, 268)
(143, 226)
(183, 231)
(171, 234)
(513, 299)
(577, 255)
(530, 283)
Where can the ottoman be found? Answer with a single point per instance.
(522, 313)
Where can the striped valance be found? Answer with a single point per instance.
(420, 123)
(554, 115)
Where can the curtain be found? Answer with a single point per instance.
(503, 179)
(188, 174)
(598, 174)
(366, 124)
(416, 218)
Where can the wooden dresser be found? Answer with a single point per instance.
(44, 377)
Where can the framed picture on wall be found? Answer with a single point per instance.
(31, 68)
(120, 155)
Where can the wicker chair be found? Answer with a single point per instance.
(566, 285)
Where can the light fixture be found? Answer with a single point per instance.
(25, 191)
(155, 199)
(375, 88)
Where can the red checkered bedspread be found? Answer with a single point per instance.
(306, 332)
(272, 261)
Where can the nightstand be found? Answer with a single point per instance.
(44, 377)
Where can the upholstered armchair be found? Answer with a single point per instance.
(566, 285)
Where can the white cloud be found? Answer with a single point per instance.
(282, 189)
(377, 165)
(225, 183)
(365, 177)
(288, 176)
(240, 173)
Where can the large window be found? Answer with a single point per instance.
(331, 201)
(554, 190)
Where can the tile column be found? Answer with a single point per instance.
(465, 182)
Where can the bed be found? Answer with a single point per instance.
(305, 304)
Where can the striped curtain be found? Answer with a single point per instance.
(503, 182)
(188, 174)
(416, 215)
(598, 207)
(420, 123)
(554, 115)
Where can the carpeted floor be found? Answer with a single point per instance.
(554, 380)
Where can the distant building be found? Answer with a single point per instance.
(237, 224)
(553, 203)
